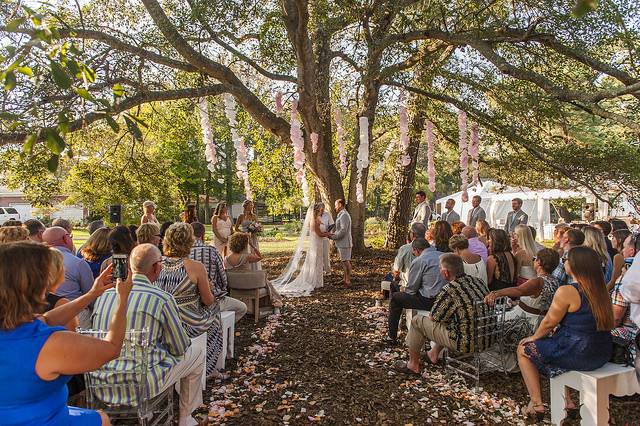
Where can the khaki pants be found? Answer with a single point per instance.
(423, 328)
(189, 372)
(230, 304)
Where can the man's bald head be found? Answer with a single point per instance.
(57, 236)
(143, 260)
(469, 232)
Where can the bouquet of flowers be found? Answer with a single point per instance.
(254, 228)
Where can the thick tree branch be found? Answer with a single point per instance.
(125, 105)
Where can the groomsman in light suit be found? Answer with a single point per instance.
(342, 238)
(450, 215)
(422, 212)
(477, 212)
(515, 217)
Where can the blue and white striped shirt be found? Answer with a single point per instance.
(156, 310)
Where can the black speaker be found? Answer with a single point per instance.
(115, 213)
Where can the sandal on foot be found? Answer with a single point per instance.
(401, 367)
(532, 413)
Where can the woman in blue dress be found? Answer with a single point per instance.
(38, 355)
(582, 313)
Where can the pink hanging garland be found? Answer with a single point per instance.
(474, 153)
(431, 167)
(464, 156)
(298, 152)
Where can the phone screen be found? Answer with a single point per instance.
(120, 268)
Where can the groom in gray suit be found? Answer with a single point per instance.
(342, 238)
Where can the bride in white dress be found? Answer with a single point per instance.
(304, 273)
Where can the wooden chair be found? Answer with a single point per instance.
(251, 288)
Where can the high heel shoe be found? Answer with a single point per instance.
(532, 413)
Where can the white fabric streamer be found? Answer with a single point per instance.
(207, 135)
(238, 144)
(341, 148)
(385, 157)
(298, 152)
(464, 156)
(363, 156)
(431, 167)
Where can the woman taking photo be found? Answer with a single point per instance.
(221, 227)
(188, 282)
(582, 313)
(248, 223)
(502, 265)
(38, 354)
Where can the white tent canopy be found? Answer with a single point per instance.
(496, 201)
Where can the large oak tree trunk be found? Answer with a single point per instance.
(402, 190)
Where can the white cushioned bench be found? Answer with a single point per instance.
(595, 388)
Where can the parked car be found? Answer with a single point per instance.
(8, 213)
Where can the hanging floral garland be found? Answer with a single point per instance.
(207, 135)
(342, 152)
(363, 156)
(464, 156)
(431, 167)
(238, 144)
(404, 158)
(314, 142)
(298, 152)
(474, 148)
(279, 105)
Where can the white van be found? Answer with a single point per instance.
(8, 213)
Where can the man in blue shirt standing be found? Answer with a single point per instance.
(78, 278)
(423, 284)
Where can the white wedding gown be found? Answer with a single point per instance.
(304, 273)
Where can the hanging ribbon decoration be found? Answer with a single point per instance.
(363, 156)
(238, 144)
(342, 152)
(385, 157)
(279, 105)
(298, 152)
(404, 158)
(207, 135)
(474, 148)
(464, 156)
(431, 167)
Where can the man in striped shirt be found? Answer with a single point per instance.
(171, 358)
(451, 321)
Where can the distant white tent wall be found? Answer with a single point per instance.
(496, 201)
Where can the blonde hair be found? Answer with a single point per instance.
(11, 234)
(594, 239)
(178, 240)
(149, 203)
(238, 242)
(525, 240)
(56, 268)
(146, 232)
(97, 245)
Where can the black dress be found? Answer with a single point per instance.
(502, 266)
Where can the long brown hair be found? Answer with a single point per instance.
(97, 245)
(24, 280)
(441, 234)
(587, 271)
(500, 241)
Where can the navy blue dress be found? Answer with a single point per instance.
(576, 344)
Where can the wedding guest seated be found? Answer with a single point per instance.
(441, 233)
(148, 233)
(188, 282)
(78, 277)
(502, 266)
(121, 243)
(582, 318)
(63, 223)
(210, 258)
(405, 255)
(534, 234)
(56, 278)
(452, 322)
(12, 222)
(163, 230)
(534, 298)
(625, 330)
(171, 358)
(240, 259)
(423, 285)
(617, 240)
(524, 249)
(457, 227)
(38, 354)
(606, 229)
(570, 239)
(558, 233)
(10, 234)
(94, 225)
(96, 250)
(475, 245)
(482, 228)
(35, 228)
(473, 264)
(133, 229)
(618, 224)
(594, 239)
